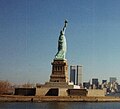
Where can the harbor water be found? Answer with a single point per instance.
(60, 105)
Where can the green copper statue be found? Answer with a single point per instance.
(62, 44)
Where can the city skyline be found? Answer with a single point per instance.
(29, 32)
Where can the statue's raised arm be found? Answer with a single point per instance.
(65, 25)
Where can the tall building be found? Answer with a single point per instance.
(73, 74)
(86, 85)
(79, 75)
(104, 81)
(113, 79)
(95, 83)
(76, 74)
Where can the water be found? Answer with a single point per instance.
(60, 105)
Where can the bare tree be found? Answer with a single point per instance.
(5, 87)
(28, 85)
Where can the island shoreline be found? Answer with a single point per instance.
(15, 98)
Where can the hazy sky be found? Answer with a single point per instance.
(29, 31)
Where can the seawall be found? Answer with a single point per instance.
(13, 98)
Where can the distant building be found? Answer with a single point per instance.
(113, 85)
(113, 79)
(104, 84)
(86, 85)
(95, 83)
(72, 74)
(104, 81)
(118, 88)
(79, 75)
(76, 74)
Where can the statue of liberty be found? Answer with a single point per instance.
(62, 44)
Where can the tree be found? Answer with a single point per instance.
(28, 85)
(5, 87)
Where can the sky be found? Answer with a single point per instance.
(29, 31)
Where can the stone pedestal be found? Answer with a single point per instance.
(59, 71)
(58, 84)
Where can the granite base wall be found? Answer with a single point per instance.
(63, 92)
(43, 91)
(96, 92)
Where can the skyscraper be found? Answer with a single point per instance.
(104, 81)
(79, 75)
(76, 74)
(113, 79)
(95, 83)
(72, 74)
